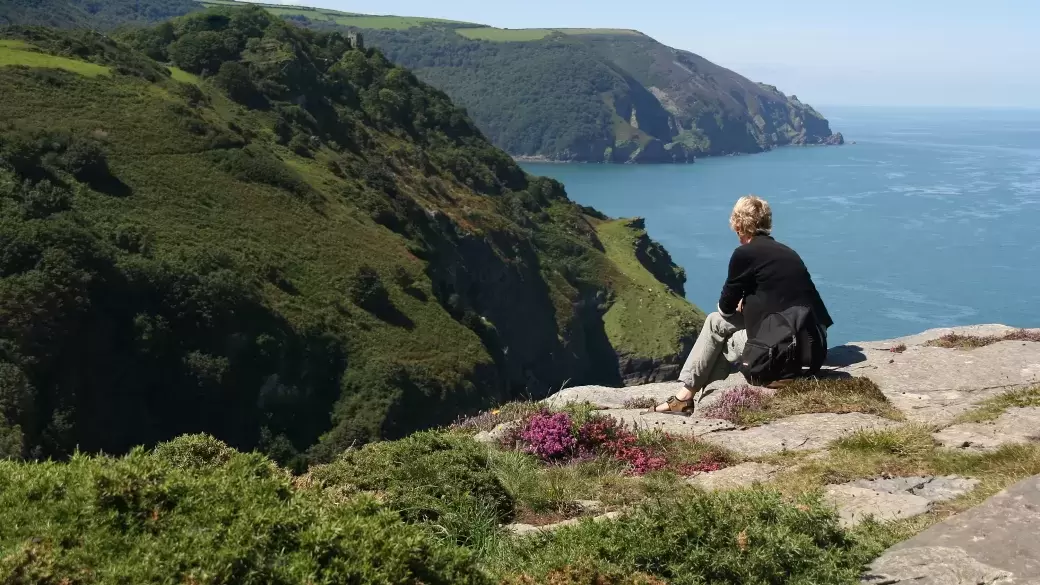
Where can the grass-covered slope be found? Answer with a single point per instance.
(287, 243)
(648, 317)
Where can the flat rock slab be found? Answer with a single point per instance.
(682, 426)
(528, 529)
(803, 432)
(736, 477)
(933, 565)
(933, 489)
(935, 385)
(1000, 533)
(856, 504)
(1017, 425)
(605, 397)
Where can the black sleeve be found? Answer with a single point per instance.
(819, 309)
(738, 282)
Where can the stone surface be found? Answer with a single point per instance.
(933, 565)
(735, 477)
(496, 435)
(605, 397)
(684, 426)
(1000, 533)
(856, 504)
(803, 432)
(528, 529)
(933, 489)
(934, 385)
(1017, 425)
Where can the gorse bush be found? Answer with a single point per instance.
(742, 537)
(440, 480)
(197, 512)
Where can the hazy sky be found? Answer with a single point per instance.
(828, 52)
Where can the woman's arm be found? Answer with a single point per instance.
(738, 281)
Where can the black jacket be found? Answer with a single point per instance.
(770, 277)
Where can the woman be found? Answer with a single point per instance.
(765, 277)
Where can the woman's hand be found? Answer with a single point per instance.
(740, 306)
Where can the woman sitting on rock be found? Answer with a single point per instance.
(765, 278)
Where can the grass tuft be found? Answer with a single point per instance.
(956, 341)
(640, 402)
(751, 406)
(994, 407)
(908, 441)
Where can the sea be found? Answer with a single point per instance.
(925, 218)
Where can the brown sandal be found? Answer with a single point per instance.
(677, 407)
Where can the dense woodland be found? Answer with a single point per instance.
(530, 98)
(602, 96)
(95, 14)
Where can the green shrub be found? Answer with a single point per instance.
(257, 165)
(85, 159)
(437, 479)
(45, 198)
(194, 451)
(151, 519)
(368, 291)
(200, 51)
(233, 78)
(741, 537)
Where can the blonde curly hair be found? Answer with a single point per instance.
(751, 217)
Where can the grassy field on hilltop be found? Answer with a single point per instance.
(20, 53)
(325, 15)
(505, 34)
(533, 34)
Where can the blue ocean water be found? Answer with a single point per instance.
(931, 219)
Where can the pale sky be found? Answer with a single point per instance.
(828, 52)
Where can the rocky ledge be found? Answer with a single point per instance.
(959, 384)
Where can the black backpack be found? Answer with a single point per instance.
(785, 345)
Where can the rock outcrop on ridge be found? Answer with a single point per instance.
(932, 386)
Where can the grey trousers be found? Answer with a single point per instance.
(718, 347)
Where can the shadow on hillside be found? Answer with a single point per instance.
(111, 186)
(391, 315)
(844, 356)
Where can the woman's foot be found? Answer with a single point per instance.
(683, 403)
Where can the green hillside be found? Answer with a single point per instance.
(288, 243)
(571, 94)
(600, 95)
